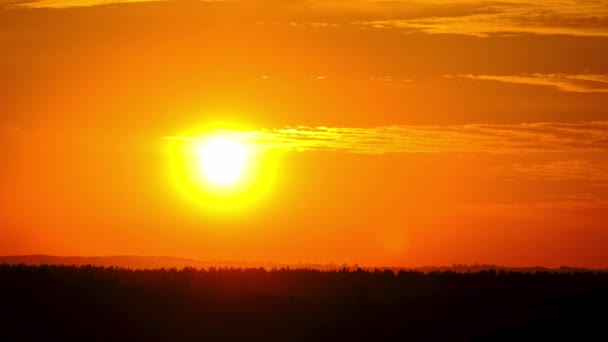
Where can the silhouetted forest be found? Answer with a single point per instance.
(59, 303)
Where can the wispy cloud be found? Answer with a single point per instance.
(464, 17)
(63, 3)
(472, 138)
(581, 83)
(568, 17)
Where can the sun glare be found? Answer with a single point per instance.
(222, 160)
(221, 169)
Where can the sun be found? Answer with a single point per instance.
(222, 159)
(222, 170)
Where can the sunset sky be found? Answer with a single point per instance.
(385, 133)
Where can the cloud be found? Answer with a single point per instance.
(567, 17)
(463, 17)
(472, 138)
(63, 3)
(582, 83)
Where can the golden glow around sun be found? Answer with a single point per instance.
(221, 169)
(223, 159)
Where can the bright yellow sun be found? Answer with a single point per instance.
(222, 159)
(221, 170)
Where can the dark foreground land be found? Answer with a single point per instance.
(59, 303)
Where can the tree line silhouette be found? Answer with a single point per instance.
(58, 303)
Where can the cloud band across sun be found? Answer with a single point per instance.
(470, 138)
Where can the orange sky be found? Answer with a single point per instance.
(411, 132)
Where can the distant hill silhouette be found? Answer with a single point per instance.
(156, 262)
